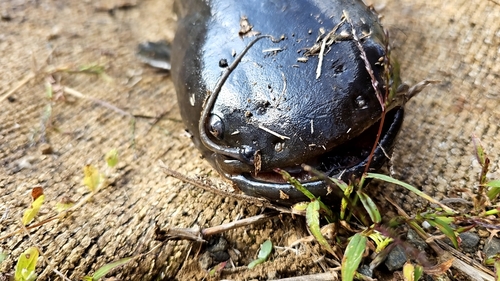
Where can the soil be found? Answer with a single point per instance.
(47, 142)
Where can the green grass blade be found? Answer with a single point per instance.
(494, 189)
(496, 265)
(265, 250)
(410, 188)
(352, 256)
(312, 220)
(370, 207)
(105, 269)
(445, 229)
(26, 264)
(293, 181)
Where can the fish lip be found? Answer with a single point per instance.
(282, 193)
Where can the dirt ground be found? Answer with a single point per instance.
(455, 41)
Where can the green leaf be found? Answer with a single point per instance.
(112, 158)
(265, 250)
(105, 269)
(444, 219)
(26, 264)
(217, 268)
(370, 207)
(412, 272)
(480, 154)
(483, 160)
(3, 255)
(49, 91)
(496, 265)
(492, 212)
(493, 183)
(30, 213)
(92, 177)
(491, 260)
(396, 78)
(300, 207)
(61, 206)
(312, 220)
(96, 69)
(410, 188)
(344, 203)
(341, 184)
(256, 262)
(293, 181)
(380, 240)
(352, 256)
(494, 189)
(419, 271)
(445, 229)
(409, 272)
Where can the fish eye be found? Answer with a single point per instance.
(216, 127)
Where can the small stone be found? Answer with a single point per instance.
(415, 240)
(220, 256)
(217, 244)
(492, 247)
(223, 63)
(426, 225)
(366, 270)
(217, 250)
(272, 275)
(46, 148)
(483, 233)
(396, 258)
(5, 16)
(54, 33)
(205, 261)
(470, 241)
(24, 163)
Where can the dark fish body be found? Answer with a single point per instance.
(275, 110)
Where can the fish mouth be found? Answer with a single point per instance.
(345, 162)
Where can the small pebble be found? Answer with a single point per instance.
(5, 16)
(205, 261)
(366, 270)
(470, 241)
(54, 33)
(483, 233)
(272, 275)
(396, 258)
(46, 148)
(413, 238)
(492, 247)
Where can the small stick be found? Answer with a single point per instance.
(236, 224)
(242, 197)
(77, 94)
(25, 80)
(320, 56)
(273, 133)
(326, 276)
(417, 88)
(200, 235)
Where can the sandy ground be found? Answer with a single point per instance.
(453, 41)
